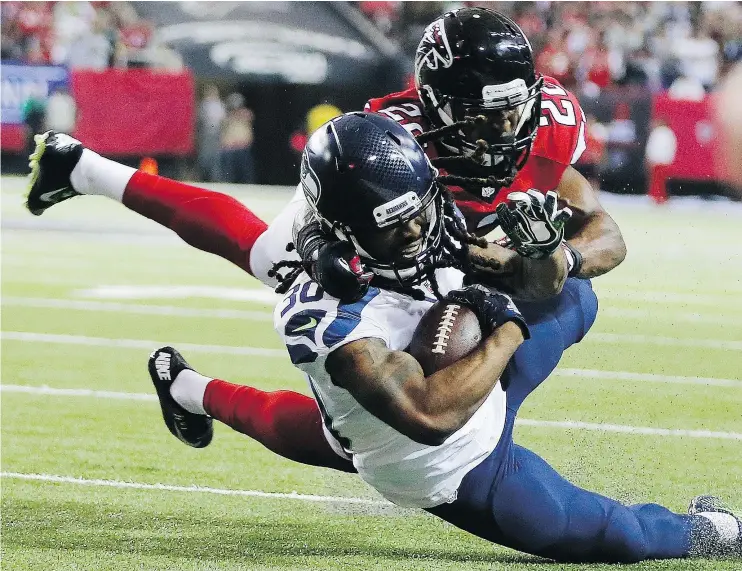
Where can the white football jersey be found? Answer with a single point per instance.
(408, 473)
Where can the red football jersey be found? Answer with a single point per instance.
(560, 140)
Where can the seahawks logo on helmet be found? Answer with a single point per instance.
(310, 182)
(433, 50)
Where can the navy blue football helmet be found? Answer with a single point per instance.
(362, 172)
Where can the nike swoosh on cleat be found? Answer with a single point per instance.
(50, 196)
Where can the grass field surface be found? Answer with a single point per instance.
(647, 408)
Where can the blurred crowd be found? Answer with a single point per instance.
(225, 138)
(614, 56)
(90, 35)
(589, 46)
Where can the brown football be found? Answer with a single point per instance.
(445, 334)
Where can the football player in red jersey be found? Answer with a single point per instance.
(495, 127)
(475, 85)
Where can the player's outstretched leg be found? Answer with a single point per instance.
(61, 167)
(285, 422)
(553, 518)
(188, 424)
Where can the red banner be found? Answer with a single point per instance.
(135, 112)
(698, 144)
(697, 140)
(13, 138)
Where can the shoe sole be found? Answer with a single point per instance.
(34, 162)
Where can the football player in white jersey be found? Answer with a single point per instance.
(443, 442)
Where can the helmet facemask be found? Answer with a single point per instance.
(496, 131)
(400, 270)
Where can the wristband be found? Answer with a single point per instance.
(574, 259)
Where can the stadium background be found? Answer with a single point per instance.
(646, 408)
(202, 85)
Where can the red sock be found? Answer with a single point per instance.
(210, 221)
(285, 422)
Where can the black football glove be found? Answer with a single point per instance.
(333, 264)
(491, 307)
(533, 222)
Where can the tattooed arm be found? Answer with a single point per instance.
(391, 384)
(523, 278)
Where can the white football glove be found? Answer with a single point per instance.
(533, 223)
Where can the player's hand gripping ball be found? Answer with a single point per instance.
(453, 327)
(448, 332)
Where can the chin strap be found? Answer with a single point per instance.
(473, 185)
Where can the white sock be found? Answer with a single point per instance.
(188, 390)
(94, 174)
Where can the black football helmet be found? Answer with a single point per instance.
(362, 172)
(475, 63)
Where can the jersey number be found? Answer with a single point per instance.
(304, 293)
(402, 114)
(564, 116)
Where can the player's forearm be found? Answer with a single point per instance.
(523, 278)
(452, 395)
(544, 278)
(391, 384)
(601, 245)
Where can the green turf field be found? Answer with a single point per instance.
(647, 408)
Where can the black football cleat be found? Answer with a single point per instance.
(727, 539)
(196, 430)
(51, 163)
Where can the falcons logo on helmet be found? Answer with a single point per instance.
(433, 50)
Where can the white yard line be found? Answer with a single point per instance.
(27, 337)
(603, 427)
(647, 377)
(257, 295)
(31, 337)
(721, 344)
(566, 424)
(665, 314)
(661, 297)
(143, 309)
(266, 295)
(192, 489)
(51, 391)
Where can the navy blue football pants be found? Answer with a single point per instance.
(514, 498)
